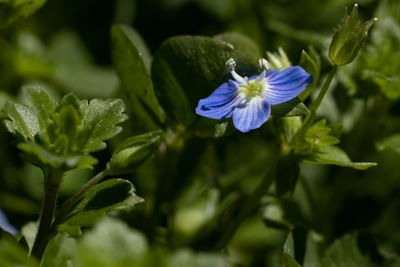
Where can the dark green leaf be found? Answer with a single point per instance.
(188, 68)
(345, 252)
(293, 107)
(113, 194)
(132, 152)
(249, 49)
(334, 155)
(11, 10)
(21, 120)
(128, 60)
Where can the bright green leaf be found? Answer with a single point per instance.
(334, 155)
(132, 152)
(21, 120)
(311, 64)
(100, 118)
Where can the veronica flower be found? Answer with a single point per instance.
(248, 100)
(5, 225)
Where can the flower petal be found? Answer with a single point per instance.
(251, 115)
(286, 84)
(5, 225)
(220, 103)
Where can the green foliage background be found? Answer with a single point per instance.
(197, 178)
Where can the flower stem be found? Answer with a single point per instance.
(317, 102)
(248, 207)
(52, 185)
(72, 200)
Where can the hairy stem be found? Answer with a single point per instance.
(52, 185)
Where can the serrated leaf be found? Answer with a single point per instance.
(293, 107)
(113, 194)
(100, 118)
(345, 252)
(21, 120)
(132, 152)
(41, 102)
(111, 243)
(128, 59)
(334, 155)
(40, 156)
(12, 10)
(188, 68)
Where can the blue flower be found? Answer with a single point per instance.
(5, 225)
(248, 100)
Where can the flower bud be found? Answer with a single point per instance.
(349, 38)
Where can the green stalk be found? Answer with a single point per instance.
(248, 207)
(52, 185)
(314, 106)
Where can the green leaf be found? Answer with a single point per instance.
(345, 252)
(289, 261)
(29, 231)
(188, 258)
(334, 155)
(111, 243)
(314, 248)
(293, 107)
(59, 251)
(21, 120)
(12, 255)
(311, 64)
(41, 102)
(188, 68)
(100, 118)
(40, 156)
(391, 142)
(132, 152)
(12, 10)
(249, 49)
(128, 59)
(113, 194)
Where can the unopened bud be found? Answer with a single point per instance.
(349, 38)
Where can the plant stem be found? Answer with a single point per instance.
(314, 106)
(52, 185)
(71, 201)
(248, 207)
